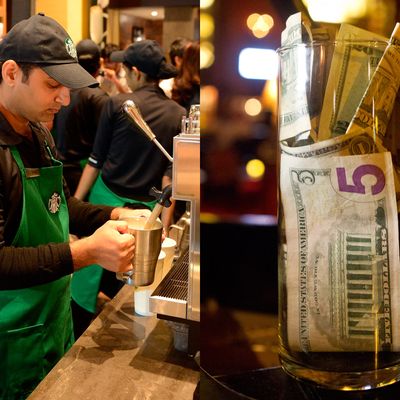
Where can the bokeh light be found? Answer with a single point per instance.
(207, 56)
(209, 103)
(209, 98)
(251, 20)
(206, 25)
(258, 63)
(337, 11)
(260, 25)
(269, 96)
(253, 107)
(206, 3)
(255, 169)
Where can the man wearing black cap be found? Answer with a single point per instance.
(130, 164)
(38, 67)
(76, 124)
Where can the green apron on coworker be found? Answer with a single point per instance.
(86, 282)
(36, 323)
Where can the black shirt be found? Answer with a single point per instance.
(76, 124)
(130, 163)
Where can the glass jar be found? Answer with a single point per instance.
(339, 270)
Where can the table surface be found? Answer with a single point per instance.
(122, 356)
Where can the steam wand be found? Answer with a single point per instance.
(163, 198)
(133, 112)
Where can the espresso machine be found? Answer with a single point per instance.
(177, 298)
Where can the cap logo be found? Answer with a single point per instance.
(69, 45)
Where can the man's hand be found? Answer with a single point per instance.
(110, 246)
(122, 212)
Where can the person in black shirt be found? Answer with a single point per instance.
(76, 124)
(125, 165)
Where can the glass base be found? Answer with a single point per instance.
(346, 380)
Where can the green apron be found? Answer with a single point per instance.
(86, 282)
(36, 323)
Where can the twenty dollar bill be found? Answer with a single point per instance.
(354, 61)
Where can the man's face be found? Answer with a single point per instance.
(38, 98)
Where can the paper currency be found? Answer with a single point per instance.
(391, 141)
(298, 30)
(351, 144)
(294, 117)
(353, 63)
(358, 139)
(342, 262)
(375, 109)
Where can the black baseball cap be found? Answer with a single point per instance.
(43, 41)
(87, 49)
(147, 56)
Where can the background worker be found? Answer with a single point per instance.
(186, 86)
(75, 125)
(112, 75)
(176, 50)
(125, 165)
(38, 66)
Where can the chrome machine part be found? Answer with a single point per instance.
(180, 232)
(173, 297)
(133, 112)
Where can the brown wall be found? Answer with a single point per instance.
(152, 29)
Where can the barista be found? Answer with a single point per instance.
(38, 67)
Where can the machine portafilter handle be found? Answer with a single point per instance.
(133, 112)
(163, 200)
(163, 197)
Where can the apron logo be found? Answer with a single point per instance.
(54, 203)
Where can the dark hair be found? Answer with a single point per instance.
(108, 49)
(147, 79)
(91, 65)
(26, 69)
(177, 48)
(188, 79)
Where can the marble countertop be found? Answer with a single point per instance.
(122, 356)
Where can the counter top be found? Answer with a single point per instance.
(122, 356)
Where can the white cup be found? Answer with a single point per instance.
(142, 293)
(168, 246)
